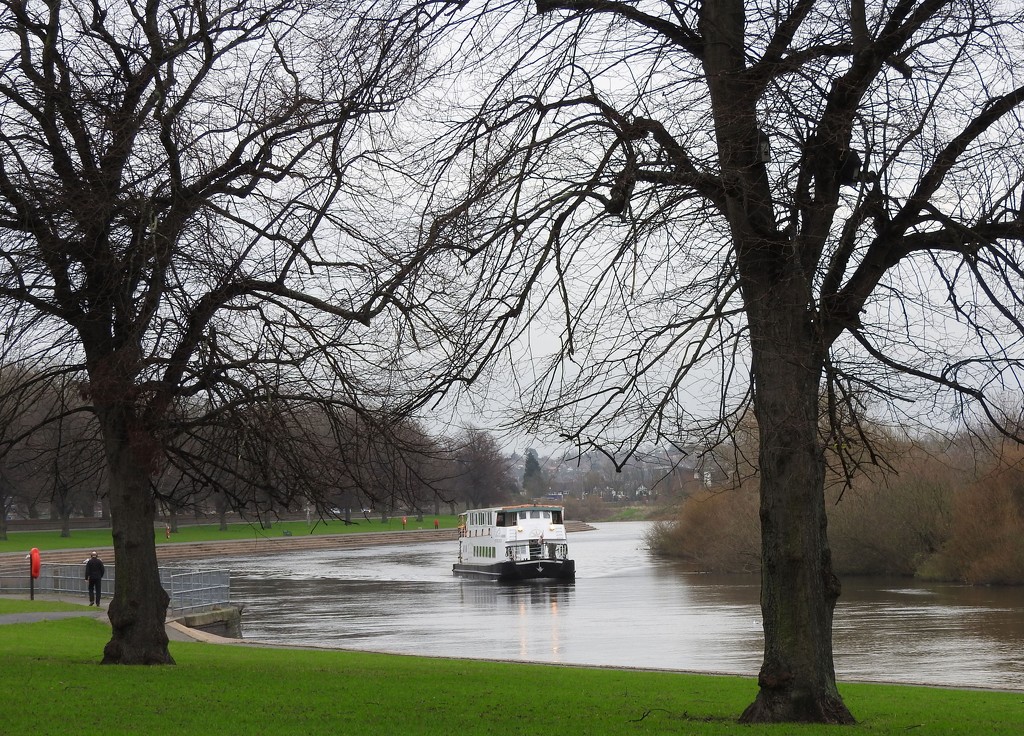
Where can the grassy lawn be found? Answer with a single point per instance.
(53, 685)
(630, 513)
(16, 605)
(83, 538)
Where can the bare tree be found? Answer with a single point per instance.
(481, 474)
(10, 412)
(292, 455)
(185, 225)
(808, 209)
(49, 449)
(70, 465)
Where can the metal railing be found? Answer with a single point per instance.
(191, 591)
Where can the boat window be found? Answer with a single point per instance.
(524, 514)
(490, 518)
(500, 519)
(556, 517)
(546, 514)
(534, 514)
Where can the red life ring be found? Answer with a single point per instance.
(34, 555)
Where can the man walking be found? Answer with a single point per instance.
(94, 574)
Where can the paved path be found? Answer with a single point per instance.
(264, 545)
(175, 631)
(31, 618)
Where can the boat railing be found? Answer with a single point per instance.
(537, 550)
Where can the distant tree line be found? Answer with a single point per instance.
(268, 459)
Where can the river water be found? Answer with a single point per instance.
(626, 609)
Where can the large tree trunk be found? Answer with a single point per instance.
(798, 587)
(139, 607)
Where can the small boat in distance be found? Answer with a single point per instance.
(510, 543)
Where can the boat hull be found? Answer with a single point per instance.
(510, 572)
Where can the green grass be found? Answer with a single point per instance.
(53, 685)
(630, 513)
(86, 538)
(15, 605)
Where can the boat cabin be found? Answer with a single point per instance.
(505, 542)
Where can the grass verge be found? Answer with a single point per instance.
(53, 685)
(85, 538)
(15, 605)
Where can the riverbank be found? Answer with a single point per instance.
(51, 669)
(258, 544)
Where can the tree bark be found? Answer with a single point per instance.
(139, 607)
(798, 586)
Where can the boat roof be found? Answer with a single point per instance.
(518, 507)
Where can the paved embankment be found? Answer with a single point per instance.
(261, 545)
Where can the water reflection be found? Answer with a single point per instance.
(531, 617)
(625, 609)
(955, 634)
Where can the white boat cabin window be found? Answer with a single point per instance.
(554, 516)
(481, 518)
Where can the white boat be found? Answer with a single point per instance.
(509, 543)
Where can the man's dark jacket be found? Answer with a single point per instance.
(94, 569)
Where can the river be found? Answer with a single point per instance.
(626, 609)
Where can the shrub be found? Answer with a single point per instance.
(930, 519)
(986, 543)
(895, 524)
(715, 531)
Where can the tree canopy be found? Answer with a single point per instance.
(195, 231)
(803, 210)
